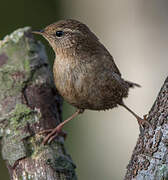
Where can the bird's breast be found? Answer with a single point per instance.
(70, 80)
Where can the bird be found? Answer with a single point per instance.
(85, 73)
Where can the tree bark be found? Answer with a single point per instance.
(30, 103)
(149, 160)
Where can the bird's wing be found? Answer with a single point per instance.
(108, 60)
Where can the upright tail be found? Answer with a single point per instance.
(132, 85)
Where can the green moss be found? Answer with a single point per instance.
(34, 147)
(27, 65)
(20, 116)
(14, 147)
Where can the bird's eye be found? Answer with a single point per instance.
(59, 33)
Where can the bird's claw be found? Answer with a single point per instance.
(51, 134)
(143, 122)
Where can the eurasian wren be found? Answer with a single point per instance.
(85, 73)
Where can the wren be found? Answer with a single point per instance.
(85, 73)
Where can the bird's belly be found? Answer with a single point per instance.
(84, 93)
(86, 90)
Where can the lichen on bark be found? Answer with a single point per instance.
(149, 159)
(29, 103)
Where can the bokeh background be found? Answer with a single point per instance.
(136, 33)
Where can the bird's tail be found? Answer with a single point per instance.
(132, 85)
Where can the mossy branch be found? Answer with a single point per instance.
(149, 160)
(29, 103)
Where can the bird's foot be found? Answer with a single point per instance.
(53, 133)
(143, 122)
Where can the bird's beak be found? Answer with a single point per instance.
(38, 32)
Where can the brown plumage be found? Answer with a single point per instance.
(85, 73)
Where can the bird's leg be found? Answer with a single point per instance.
(58, 130)
(141, 121)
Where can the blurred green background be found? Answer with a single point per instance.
(135, 32)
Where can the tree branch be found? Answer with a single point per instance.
(149, 160)
(29, 103)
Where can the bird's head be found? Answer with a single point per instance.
(67, 35)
